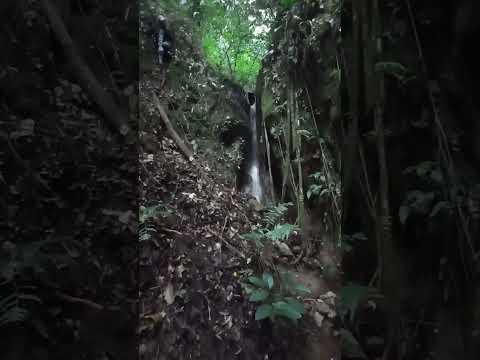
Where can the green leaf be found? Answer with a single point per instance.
(248, 289)
(439, 206)
(259, 295)
(256, 281)
(264, 311)
(268, 279)
(297, 305)
(280, 232)
(424, 167)
(282, 308)
(301, 289)
(286, 4)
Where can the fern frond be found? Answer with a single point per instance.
(11, 311)
(276, 214)
(280, 232)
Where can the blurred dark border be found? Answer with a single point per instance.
(68, 179)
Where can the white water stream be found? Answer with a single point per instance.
(255, 185)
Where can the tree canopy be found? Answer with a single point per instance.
(233, 33)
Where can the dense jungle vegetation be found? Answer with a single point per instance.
(240, 179)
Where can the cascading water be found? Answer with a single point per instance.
(255, 184)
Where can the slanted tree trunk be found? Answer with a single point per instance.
(84, 75)
(171, 131)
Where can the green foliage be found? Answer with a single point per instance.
(280, 232)
(320, 186)
(287, 4)
(13, 307)
(274, 229)
(419, 202)
(427, 170)
(291, 286)
(147, 214)
(276, 214)
(273, 303)
(234, 35)
(151, 212)
(21, 259)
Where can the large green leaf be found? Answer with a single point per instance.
(297, 305)
(259, 295)
(264, 311)
(256, 281)
(301, 289)
(290, 311)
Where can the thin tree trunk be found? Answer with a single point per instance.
(300, 196)
(269, 161)
(288, 139)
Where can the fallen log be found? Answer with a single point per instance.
(171, 131)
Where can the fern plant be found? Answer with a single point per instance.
(13, 307)
(272, 302)
(276, 214)
(273, 230)
(147, 214)
(21, 258)
(11, 311)
(280, 232)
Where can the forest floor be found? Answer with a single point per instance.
(193, 260)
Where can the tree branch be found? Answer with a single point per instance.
(171, 131)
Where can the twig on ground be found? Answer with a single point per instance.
(89, 303)
(227, 244)
(171, 231)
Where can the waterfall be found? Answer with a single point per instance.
(255, 184)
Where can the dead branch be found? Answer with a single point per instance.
(227, 244)
(171, 231)
(171, 131)
(84, 75)
(89, 303)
